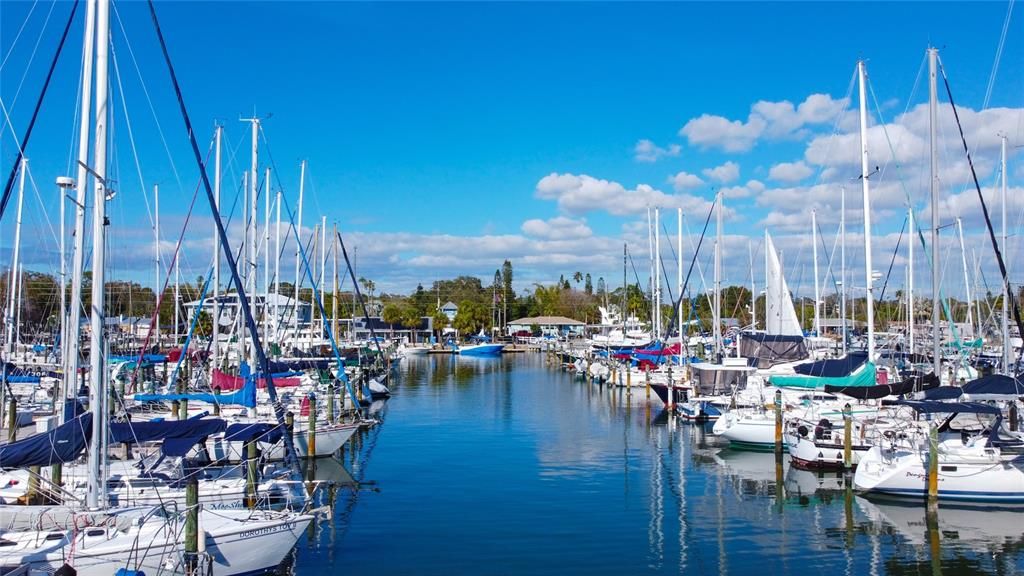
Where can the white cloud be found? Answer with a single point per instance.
(725, 173)
(751, 188)
(557, 228)
(647, 151)
(770, 120)
(582, 194)
(790, 171)
(685, 181)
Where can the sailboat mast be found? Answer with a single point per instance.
(934, 186)
(842, 264)
(679, 280)
(78, 250)
(657, 273)
(96, 495)
(12, 281)
(718, 279)
(817, 292)
(277, 270)
(1007, 347)
(298, 251)
(753, 286)
(910, 280)
(266, 257)
(215, 358)
(967, 278)
(868, 272)
(251, 228)
(323, 266)
(650, 250)
(625, 291)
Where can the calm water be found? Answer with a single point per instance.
(508, 466)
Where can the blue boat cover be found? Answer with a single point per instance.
(137, 432)
(151, 358)
(64, 443)
(932, 407)
(245, 396)
(262, 432)
(180, 446)
(995, 385)
(833, 368)
(943, 393)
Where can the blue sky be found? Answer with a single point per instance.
(444, 138)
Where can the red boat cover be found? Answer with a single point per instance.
(227, 382)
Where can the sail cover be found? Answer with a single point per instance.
(780, 315)
(995, 387)
(850, 370)
(64, 443)
(766, 350)
(228, 382)
(133, 432)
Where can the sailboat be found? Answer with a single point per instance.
(100, 540)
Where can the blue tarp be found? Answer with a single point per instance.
(931, 407)
(833, 368)
(165, 429)
(246, 396)
(180, 446)
(995, 386)
(64, 443)
(269, 433)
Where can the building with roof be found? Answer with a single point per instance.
(549, 326)
(450, 310)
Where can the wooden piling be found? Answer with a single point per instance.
(330, 403)
(251, 474)
(192, 526)
(847, 436)
(12, 419)
(175, 410)
(216, 402)
(933, 466)
(32, 494)
(778, 422)
(1014, 417)
(311, 438)
(183, 407)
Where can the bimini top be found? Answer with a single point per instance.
(833, 367)
(995, 387)
(932, 407)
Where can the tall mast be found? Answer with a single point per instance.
(63, 183)
(323, 266)
(934, 185)
(177, 296)
(96, 495)
(718, 278)
(625, 291)
(910, 280)
(277, 270)
(251, 230)
(1007, 347)
(817, 291)
(298, 251)
(334, 292)
(78, 254)
(753, 286)
(967, 278)
(157, 292)
(243, 347)
(650, 250)
(12, 282)
(679, 280)
(657, 273)
(266, 258)
(842, 264)
(215, 363)
(868, 272)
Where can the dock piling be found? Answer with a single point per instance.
(778, 422)
(847, 436)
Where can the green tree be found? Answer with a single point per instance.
(411, 319)
(588, 287)
(440, 322)
(471, 317)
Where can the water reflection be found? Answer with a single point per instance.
(509, 465)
